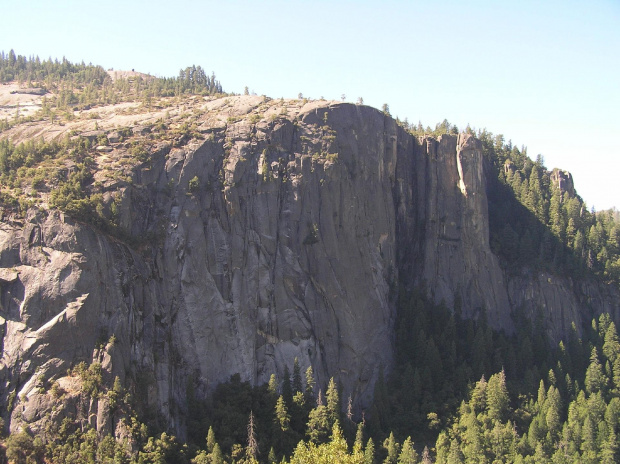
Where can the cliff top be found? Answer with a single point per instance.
(120, 135)
(173, 111)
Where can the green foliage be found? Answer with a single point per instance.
(264, 171)
(595, 380)
(534, 222)
(21, 448)
(333, 157)
(162, 449)
(369, 452)
(556, 425)
(313, 235)
(85, 86)
(140, 152)
(194, 184)
(282, 416)
(115, 395)
(72, 445)
(318, 424)
(497, 396)
(333, 402)
(216, 456)
(392, 449)
(11, 401)
(419, 130)
(408, 454)
(91, 376)
(336, 450)
(502, 419)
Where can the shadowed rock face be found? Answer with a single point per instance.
(446, 227)
(289, 242)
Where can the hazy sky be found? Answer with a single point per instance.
(546, 74)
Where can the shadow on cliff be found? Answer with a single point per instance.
(522, 241)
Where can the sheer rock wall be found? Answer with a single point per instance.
(290, 241)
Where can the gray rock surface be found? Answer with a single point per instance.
(564, 181)
(292, 244)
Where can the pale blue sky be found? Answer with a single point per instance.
(546, 74)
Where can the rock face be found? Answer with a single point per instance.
(444, 229)
(563, 180)
(283, 232)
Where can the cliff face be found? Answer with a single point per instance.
(445, 227)
(282, 232)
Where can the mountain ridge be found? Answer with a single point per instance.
(283, 230)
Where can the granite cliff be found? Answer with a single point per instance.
(273, 230)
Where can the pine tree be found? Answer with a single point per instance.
(609, 448)
(318, 422)
(595, 379)
(611, 346)
(616, 375)
(553, 413)
(479, 395)
(571, 230)
(216, 456)
(210, 440)
(369, 452)
(272, 386)
(201, 458)
(20, 448)
(556, 218)
(333, 402)
(358, 445)
(497, 396)
(540, 455)
(392, 447)
(272, 459)
(408, 454)
(589, 448)
(455, 456)
(282, 417)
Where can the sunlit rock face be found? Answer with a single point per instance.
(281, 231)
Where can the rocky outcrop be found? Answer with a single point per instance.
(446, 228)
(282, 232)
(563, 180)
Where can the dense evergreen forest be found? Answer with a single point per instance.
(459, 392)
(530, 404)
